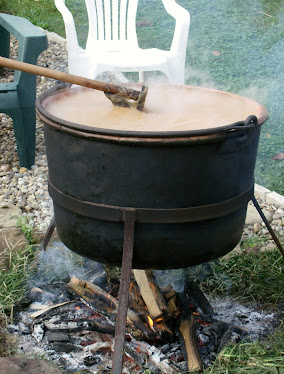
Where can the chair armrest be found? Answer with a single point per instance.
(32, 41)
(182, 18)
(70, 29)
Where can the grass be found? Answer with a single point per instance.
(24, 224)
(230, 47)
(252, 358)
(14, 279)
(44, 16)
(249, 277)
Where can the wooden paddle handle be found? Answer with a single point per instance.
(69, 78)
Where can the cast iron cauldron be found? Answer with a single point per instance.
(191, 188)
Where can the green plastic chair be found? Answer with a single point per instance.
(17, 99)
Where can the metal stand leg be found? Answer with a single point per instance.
(47, 235)
(269, 228)
(120, 325)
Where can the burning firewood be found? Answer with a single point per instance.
(151, 294)
(197, 297)
(187, 329)
(171, 300)
(103, 302)
(155, 303)
(188, 342)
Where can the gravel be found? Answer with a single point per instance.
(27, 189)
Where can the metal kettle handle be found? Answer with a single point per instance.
(241, 139)
(250, 122)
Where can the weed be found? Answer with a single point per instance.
(251, 277)
(24, 224)
(252, 358)
(13, 280)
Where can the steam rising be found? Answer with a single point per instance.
(167, 108)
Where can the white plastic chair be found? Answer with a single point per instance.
(112, 41)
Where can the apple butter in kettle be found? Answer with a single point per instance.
(167, 108)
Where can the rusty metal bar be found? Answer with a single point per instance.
(120, 325)
(147, 215)
(269, 228)
(48, 234)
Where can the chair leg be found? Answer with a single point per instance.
(141, 77)
(176, 73)
(24, 122)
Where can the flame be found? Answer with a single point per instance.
(150, 321)
(131, 286)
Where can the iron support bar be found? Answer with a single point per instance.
(120, 325)
(269, 228)
(148, 215)
(48, 234)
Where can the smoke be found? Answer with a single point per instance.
(177, 277)
(58, 264)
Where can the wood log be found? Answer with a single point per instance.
(91, 293)
(197, 297)
(187, 333)
(94, 291)
(91, 299)
(151, 294)
(155, 303)
(88, 324)
(169, 291)
(172, 307)
(136, 302)
(44, 311)
(188, 343)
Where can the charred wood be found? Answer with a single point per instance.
(187, 333)
(187, 329)
(55, 336)
(197, 298)
(169, 292)
(65, 347)
(93, 296)
(233, 334)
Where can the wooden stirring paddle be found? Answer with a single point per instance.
(118, 95)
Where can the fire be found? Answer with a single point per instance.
(150, 321)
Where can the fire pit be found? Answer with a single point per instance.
(167, 188)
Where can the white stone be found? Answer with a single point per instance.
(276, 199)
(254, 217)
(260, 192)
